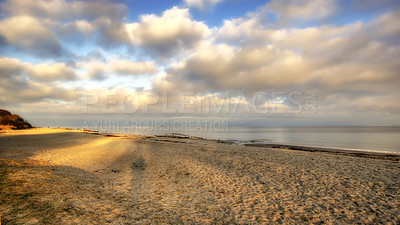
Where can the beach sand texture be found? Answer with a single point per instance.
(56, 176)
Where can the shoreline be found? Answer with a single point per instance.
(379, 149)
(385, 154)
(334, 150)
(349, 152)
(395, 156)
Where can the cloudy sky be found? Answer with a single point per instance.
(286, 62)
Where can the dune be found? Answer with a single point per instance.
(60, 176)
(10, 121)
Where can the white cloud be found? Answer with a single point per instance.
(14, 69)
(287, 11)
(10, 67)
(132, 68)
(66, 10)
(43, 27)
(99, 70)
(46, 22)
(356, 60)
(202, 4)
(29, 34)
(77, 26)
(50, 72)
(222, 67)
(38, 91)
(167, 34)
(22, 82)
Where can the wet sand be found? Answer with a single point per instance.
(56, 176)
(357, 153)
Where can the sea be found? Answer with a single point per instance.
(364, 138)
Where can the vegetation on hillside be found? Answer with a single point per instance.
(12, 121)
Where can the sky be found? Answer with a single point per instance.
(256, 63)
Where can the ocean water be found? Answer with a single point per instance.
(381, 139)
(355, 138)
(368, 138)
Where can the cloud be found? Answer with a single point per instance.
(127, 67)
(14, 69)
(79, 22)
(62, 10)
(19, 84)
(77, 32)
(10, 68)
(27, 34)
(111, 33)
(38, 91)
(241, 30)
(202, 4)
(42, 28)
(100, 70)
(50, 21)
(371, 5)
(50, 72)
(243, 68)
(252, 31)
(168, 34)
(357, 60)
(289, 11)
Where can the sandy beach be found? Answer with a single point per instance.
(57, 176)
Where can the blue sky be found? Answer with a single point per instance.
(54, 53)
(225, 10)
(213, 16)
